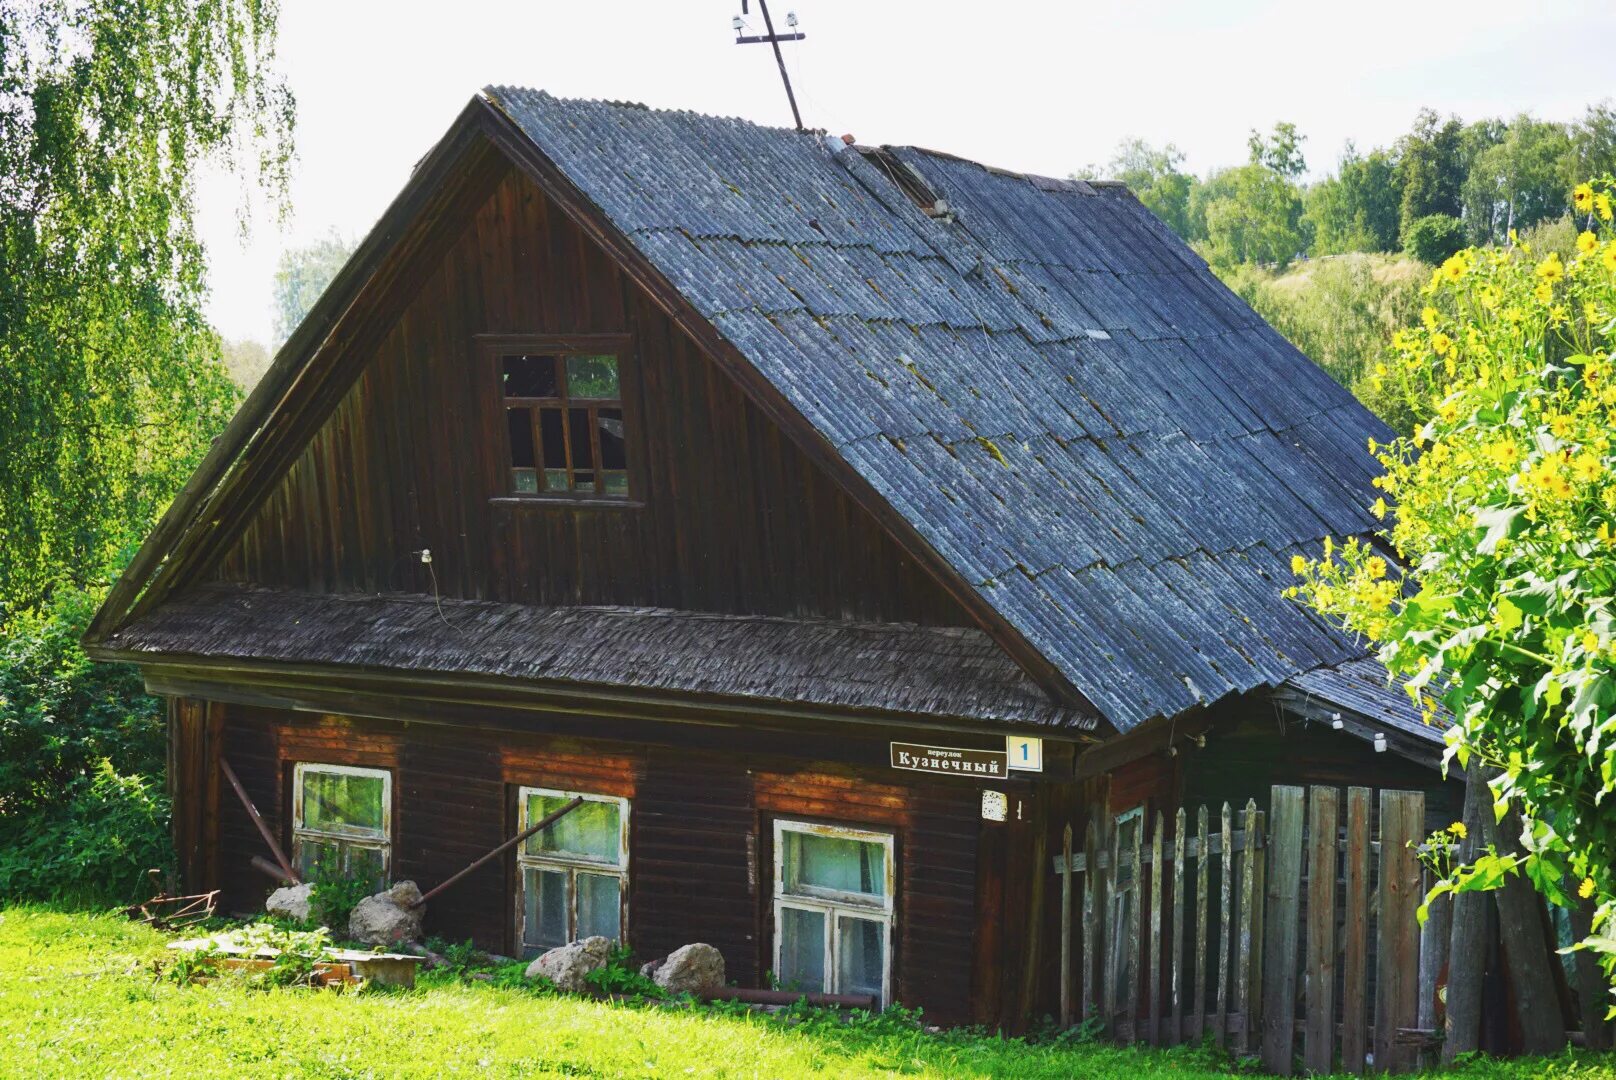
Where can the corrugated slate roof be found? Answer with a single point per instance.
(1103, 440)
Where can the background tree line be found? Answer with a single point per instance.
(1336, 264)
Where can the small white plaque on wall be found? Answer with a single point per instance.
(995, 807)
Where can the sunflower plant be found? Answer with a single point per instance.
(1492, 589)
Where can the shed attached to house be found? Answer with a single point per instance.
(837, 547)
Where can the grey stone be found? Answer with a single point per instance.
(291, 902)
(568, 965)
(387, 918)
(691, 969)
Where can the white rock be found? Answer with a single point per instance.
(291, 902)
(567, 966)
(387, 918)
(691, 969)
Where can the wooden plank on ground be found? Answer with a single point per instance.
(1397, 945)
(1355, 934)
(1318, 1036)
(1154, 951)
(1198, 1014)
(1175, 1022)
(1468, 937)
(1247, 923)
(1220, 1032)
(1285, 814)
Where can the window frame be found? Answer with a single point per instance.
(494, 347)
(344, 838)
(835, 905)
(571, 865)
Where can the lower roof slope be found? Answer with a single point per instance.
(1101, 439)
(880, 667)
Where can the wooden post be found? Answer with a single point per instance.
(258, 821)
(1226, 893)
(1066, 928)
(1259, 889)
(1112, 931)
(1318, 1037)
(1593, 993)
(1397, 951)
(1091, 944)
(1285, 809)
(1468, 937)
(1435, 933)
(1249, 902)
(1526, 949)
(1355, 935)
(1176, 1011)
(1154, 952)
(1202, 854)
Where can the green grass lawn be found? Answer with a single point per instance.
(78, 998)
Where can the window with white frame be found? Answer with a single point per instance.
(342, 820)
(833, 905)
(571, 877)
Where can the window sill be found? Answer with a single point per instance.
(566, 502)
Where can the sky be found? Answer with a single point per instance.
(1045, 87)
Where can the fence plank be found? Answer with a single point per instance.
(1110, 931)
(1467, 941)
(1136, 899)
(1176, 989)
(1225, 891)
(1091, 949)
(1259, 889)
(1066, 931)
(1318, 1037)
(1155, 944)
(1247, 926)
(1435, 933)
(1198, 1016)
(1397, 951)
(1593, 994)
(1355, 934)
(1285, 807)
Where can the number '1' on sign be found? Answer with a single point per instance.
(1026, 752)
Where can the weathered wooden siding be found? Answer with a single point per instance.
(730, 515)
(700, 858)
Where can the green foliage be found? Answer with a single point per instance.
(621, 976)
(1434, 237)
(301, 276)
(1516, 181)
(1357, 209)
(110, 386)
(1431, 168)
(1505, 502)
(1155, 179)
(1249, 214)
(79, 741)
(1281, 152)
(335, 894)
(449, 1026)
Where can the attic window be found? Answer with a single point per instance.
(907, 180)
(563, 423)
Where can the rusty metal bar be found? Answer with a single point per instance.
(544, 823)
(263, 830)
(261, 863)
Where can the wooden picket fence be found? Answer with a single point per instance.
(1194, 927)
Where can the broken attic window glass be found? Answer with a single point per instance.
(564, 419)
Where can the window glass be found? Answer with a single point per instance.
(554, 440)
(583, 449)
(342, 801)
(530, 376)
(834, 863)
(802, 949)
(593, 831)
(520, 422)
(860, 955)
(592, 377)
(600, 905)
(312, 854)
(544, 898)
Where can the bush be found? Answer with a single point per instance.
(82, 749)
(1433, 238)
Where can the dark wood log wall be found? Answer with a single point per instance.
(731, 516)
(701, 833)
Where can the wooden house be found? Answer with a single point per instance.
(841, 522)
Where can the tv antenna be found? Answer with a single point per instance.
(773, 39)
